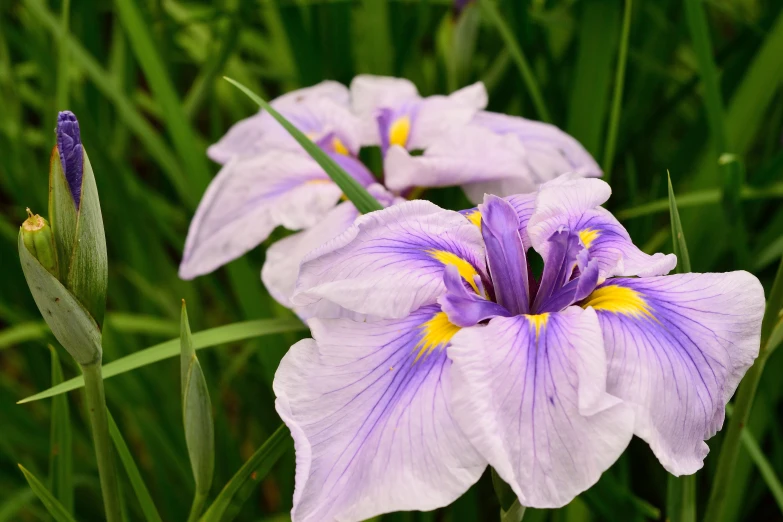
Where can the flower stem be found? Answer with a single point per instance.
(96, 407)
(198, 506)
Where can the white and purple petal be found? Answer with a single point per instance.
(677, 347)
(572, 202)
(250, 197)
(391, 262)
(530, 394)
(369, 408)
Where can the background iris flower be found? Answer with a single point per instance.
(464, 358)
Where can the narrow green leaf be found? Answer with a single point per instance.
(678, 236)
(13, 504)
(775, 339)
(357, 194)
(61, 94)
(60, 442)
(515, 513)
(617, 98)
(71, 324)
(377, 36)
(22, 332)
(51, 504)
(255, 469)
(212, 337)
(599, 29)
(681, 498)
(134, 475)
(493, 14)
(187, 352)
(774, 306)
(156, 73)
(504, 493)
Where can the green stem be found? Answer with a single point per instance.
(198, 506)
(96, 407)
(729, 450)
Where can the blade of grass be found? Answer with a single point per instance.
(357, 194)
(134, 475)
(680, 491)
(514, 514)
(187, 145)
(212, 337)
(617, 98)
(491, 11)
(52, 505)
(61, 94)
(599, 29)
(61, 450)
(255, 469)
(14, 503)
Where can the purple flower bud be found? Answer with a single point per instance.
(69, 145)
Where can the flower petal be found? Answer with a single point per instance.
(283, 258)
(371, 419)
(391, 262)
(316, 110)
(529, 392)
(677, 346)
(437, 115)
(572, 202)
(247, 200)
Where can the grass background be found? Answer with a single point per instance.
(143, 76)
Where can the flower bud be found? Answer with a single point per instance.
(38, 238)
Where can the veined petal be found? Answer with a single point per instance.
(437, 115)
(368, 405)
(523, 205)
(283, 258)
(391, 262)
(530, 394)
(247, 200)
(316, 111)
(572, 202)
(677, 347)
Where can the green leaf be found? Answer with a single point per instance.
(255, 469)
(617, 98)
(19, 333)
(358, 195)
(504, 493)
(678, 236)
(599, 28)
(134, 475)
(60, 442)
(88, 265)
(491, 11)
(765, 468)
(146, 50)
(212, 337)
(187, 352)
(774, 306)
(71, 324)
(51, 504)
(681, 498)
(13, 504)
(63, 216)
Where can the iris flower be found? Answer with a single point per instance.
(463, 358)
(267, 180)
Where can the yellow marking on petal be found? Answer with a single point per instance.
(318, 181)
(619, 300)
(465, 269)
(475, 217)
(339, 147)
(538, 321)
(399, 131)
(588, 235)
(436, 333)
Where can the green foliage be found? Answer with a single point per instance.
(647, 86)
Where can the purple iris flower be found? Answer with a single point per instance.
(69, 146)
(462, 358)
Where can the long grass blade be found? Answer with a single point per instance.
(208, 338)
(134, 475)
(255, 469)
(357, 194)
(491, 11)
(617, 97)
(61, 447)
(678, 236)
(52, 505)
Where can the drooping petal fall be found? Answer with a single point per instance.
(391, 262)
(369, 408)
(530, 394)
(677, 347)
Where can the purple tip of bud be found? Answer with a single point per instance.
(69, 145)
(460, 5)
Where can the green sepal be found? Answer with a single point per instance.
(70, 322)
(79, 237)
